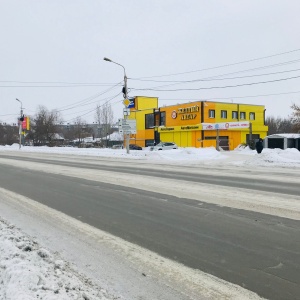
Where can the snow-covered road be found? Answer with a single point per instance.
(72, 260)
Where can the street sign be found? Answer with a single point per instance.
(127, 126)
(126, 102)
(126, 111)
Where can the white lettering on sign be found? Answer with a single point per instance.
(127, 126)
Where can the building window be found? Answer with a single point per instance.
(242, 115)
(211, 113)
(223, 114)
(162, 119)
(149, 121)
(252, 116)
(235, 115)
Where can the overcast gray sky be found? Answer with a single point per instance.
(51, 53)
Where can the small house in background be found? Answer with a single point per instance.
(57, 139)
(282, 141)
(115, 139)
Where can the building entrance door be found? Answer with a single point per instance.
(156, 137)
(224, 142)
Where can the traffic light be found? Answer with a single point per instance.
(124, 91)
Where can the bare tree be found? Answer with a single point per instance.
(107, 117)
(296, 117)
(78, 129)
(45, 125)
(279, 125)
(272, 124)
(98, 120)
(8, 134)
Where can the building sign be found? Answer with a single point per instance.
(192, 127)
(224, 126)
(166, 128)
(174, 114)
(188, 113)
(180, 128)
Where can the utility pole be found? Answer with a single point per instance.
(125, 95)
(126, 116)
(21, 119)
(217, 138)
(218, 141)
(250, 135)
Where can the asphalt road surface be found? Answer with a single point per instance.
(259, 252)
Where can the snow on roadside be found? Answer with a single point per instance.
(240, 156)
(28, 271)
(275, 157)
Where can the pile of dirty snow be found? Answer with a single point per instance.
(28, 271)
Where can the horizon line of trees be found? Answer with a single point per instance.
(45, 125)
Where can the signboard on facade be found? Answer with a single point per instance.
(225, 126)
(127, 126)
(179, 128)
(188, 113)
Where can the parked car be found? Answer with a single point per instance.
(135, 147)
(164, 146)
(117, 147)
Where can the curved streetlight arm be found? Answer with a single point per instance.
(20, 102)
(109, 60)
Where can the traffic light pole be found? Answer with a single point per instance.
(126, 97)
(20, 124)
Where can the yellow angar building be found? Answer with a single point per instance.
(196, 124)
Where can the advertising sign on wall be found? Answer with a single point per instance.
(224, 126)
(26, 123)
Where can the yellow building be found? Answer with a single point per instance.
(196, 124)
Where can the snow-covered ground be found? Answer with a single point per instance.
(29, 270)
(209, 156)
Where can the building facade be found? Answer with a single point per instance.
(197, 124)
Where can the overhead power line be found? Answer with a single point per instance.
(51, 86)
(219, 79)
(81, 102)
(223, 66)
(92, 110)
(217, 87)
(58, 83)
(231, 73)
(232, 97)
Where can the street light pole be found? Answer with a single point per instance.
(20, 123)
(125, 95)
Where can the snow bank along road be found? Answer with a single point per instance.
(238, 224)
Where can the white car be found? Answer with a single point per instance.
(164, 146)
